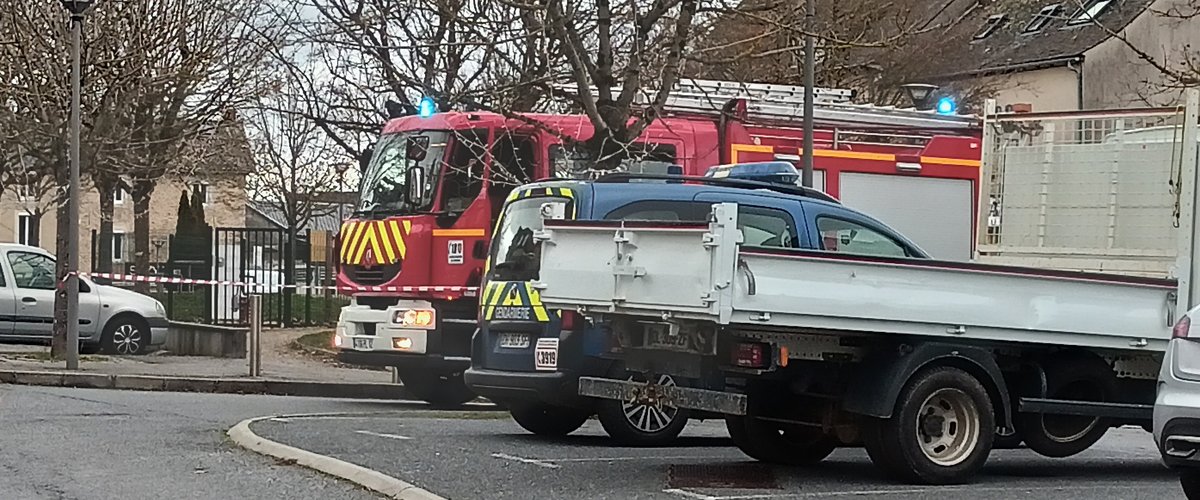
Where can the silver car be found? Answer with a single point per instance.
(112, 320)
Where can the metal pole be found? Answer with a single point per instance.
(255, 344)
(73, 200)
(809, 83)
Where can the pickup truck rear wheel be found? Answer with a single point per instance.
(545, 420)
(1081, 378)
(447, 390)
(779, 443)
(940, 432)
(642, 423)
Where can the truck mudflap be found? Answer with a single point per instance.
(728, 403)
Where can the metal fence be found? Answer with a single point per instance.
(264, 257)
(1094, 191)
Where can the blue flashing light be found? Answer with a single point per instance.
(946, 106)
(775, 172)
(428, 107)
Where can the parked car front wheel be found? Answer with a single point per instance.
(126, 335)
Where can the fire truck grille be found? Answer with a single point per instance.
(374, 276)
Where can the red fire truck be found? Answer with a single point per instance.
(413, 252)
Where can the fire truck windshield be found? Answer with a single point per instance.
(515, 254)
(386, 178)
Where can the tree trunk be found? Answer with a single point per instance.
(104, 255)
(58, 343)
(141, 229)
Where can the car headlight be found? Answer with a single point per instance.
(415, 318)
(158, 307)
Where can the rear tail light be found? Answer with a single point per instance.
(571, 320)
(750, 355)
(1181, 328)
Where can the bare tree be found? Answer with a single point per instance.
(872, 46)
(349, 56)
(295, 161)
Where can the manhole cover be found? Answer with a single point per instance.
(738, 476)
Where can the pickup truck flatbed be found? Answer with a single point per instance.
(923, 362)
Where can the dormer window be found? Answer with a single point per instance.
(990, 26)
(1042, 18)
(1089, 12)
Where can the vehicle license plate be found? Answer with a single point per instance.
(546, 355)
(364, 343)
(658, 336)
(514, 340)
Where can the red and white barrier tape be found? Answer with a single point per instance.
(469, 291)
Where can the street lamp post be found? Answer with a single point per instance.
(806, 177)
(76, 8)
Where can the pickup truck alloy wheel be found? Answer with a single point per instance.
(940, 431)
(125, 335)
(643, 422)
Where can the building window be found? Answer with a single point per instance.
(205, 193)
(1042, 18)
(118, 246)
(990, 26)
(119, 196)
(1089, 12)
(24, 228)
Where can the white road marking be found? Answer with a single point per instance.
(281, 420)
(531, 461)
(899, 491)
(621, 459)
(382, 435)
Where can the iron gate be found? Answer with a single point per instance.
(256, 256)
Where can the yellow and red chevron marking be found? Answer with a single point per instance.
(383, 238)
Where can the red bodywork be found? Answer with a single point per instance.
(422, 246)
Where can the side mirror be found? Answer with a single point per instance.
(415, 185)
(417, 147)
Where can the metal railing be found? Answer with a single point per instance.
(1093, 191)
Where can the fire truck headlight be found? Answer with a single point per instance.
(415, 318)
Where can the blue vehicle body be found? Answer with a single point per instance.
(511, 309)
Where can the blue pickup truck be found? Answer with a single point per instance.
(529, 358)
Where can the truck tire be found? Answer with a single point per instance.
(1083, 378)
(633, 423)
(940, 432)
(779, 443)
(550, 421)
(443, 391)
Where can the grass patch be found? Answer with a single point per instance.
(319, 341)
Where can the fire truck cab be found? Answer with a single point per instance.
(413, 253)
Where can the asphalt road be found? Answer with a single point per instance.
(486, 456)
(94, 444)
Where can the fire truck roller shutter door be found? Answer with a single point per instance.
(935, 213)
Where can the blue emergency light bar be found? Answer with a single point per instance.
(774, 172)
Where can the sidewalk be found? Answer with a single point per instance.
(285, 370)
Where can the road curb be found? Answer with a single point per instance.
(221, 385)
(367, 478)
